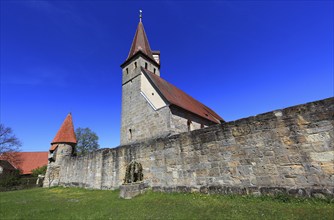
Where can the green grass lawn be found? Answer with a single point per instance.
(75, 203)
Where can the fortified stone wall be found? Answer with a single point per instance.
(289, 150)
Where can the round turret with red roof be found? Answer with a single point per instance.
(64, 142)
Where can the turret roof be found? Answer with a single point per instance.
(66, 132)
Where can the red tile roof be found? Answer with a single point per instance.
(27, 161)
(66, 132)
(140, 43)
(177, 97)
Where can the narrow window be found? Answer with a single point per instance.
(127, 70)
(130, 134)
(145, 65)
(135, 64)
(188, 124)
(154, 70)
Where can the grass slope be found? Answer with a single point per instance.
(75, 203)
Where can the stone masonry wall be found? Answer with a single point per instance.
(289, 150)
(57, 156)
(179, 121)
(139, 116)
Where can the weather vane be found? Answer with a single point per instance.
(140, 14)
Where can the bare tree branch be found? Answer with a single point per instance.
(10, 145)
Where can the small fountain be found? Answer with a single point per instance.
(133, 184)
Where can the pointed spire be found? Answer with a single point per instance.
(140, 41)
(66, 132)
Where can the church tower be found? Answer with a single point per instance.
(62, 147)
(140, 55)
(134, 113)
(151, 106)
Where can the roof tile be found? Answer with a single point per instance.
(140, 43)
(66, 132)
(179, 98)
(27, 161)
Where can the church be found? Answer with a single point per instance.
(268, 153)
(151, 106)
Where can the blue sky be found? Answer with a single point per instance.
(241, 58)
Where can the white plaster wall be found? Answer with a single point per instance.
(151, 94)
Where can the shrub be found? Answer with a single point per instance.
(10, 179)
(39, 171)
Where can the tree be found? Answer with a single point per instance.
(10, 145)
(8, 141)
(87, 141)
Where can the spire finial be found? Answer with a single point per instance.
(140, 15)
